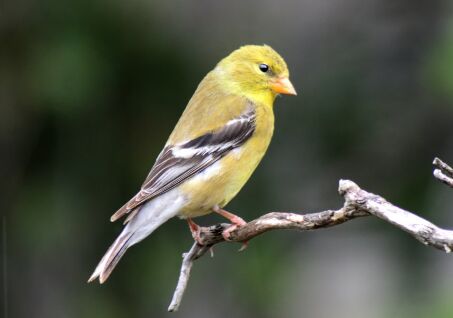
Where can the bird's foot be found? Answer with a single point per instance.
(237, 222)
(195, 230)
(227, 234)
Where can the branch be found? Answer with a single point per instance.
(443, 173)
(358, 203)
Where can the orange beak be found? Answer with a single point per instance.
(283, 86)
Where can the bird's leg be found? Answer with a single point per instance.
(195, 230)
(237, 222)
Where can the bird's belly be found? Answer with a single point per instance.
(219, 183)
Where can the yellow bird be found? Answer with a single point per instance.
(216, 145)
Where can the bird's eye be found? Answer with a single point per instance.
(264, 67)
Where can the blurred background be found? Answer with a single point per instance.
(90, 90)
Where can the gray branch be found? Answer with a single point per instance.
(358, 203)
(443, 173)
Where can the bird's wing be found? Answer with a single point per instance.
(177, 163)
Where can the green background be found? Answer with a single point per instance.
(90, 90)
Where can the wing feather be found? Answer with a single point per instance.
(177, 163)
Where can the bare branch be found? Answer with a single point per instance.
(358, 203)
(184, 276)
(444, 173)
(423, 230)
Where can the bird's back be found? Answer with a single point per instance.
(209, 108)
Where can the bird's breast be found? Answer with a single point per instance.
(219, 183)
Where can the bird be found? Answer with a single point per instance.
(218, 142)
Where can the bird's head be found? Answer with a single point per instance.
(256, 71)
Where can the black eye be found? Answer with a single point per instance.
(264, 67)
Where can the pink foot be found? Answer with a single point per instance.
(195, 230)
(237, 222)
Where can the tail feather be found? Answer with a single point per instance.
(111, 258)
(139, 225)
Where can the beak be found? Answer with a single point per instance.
(283, 86)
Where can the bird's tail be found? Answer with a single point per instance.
(152, 214)
(112, 257)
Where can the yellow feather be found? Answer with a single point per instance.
(221, 182)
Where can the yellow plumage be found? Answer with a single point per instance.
(220, 97)
(233, 170)
(216, 145)
(222, 94)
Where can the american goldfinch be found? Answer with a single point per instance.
(217, 143)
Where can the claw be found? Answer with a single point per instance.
(237, 222)
(195, 230)
(244, 246)
(226, 235)
(227, 232)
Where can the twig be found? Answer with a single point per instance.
(358, 203)
(443, 173)
(184, 276)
